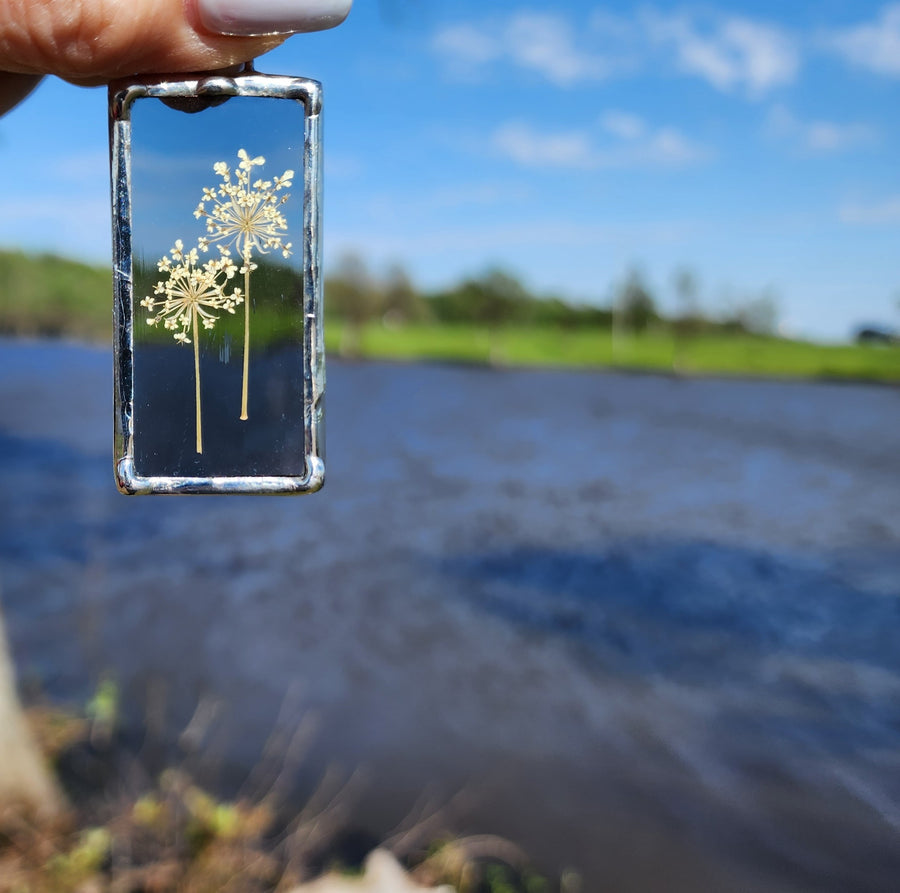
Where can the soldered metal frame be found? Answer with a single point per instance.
(200, 90)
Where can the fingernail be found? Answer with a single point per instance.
(258, 17)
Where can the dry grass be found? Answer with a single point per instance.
(126, 833)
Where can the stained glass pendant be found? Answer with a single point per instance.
(219, 356)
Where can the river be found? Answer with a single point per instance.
(648, 627)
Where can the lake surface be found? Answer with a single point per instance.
(647, 627)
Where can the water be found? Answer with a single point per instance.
(649, 628)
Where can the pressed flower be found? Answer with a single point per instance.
(191, 295)
(245, 214)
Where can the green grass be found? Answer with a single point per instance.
(52, 296)
(653, 351)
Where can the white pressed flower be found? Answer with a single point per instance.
(192, 294)
(190, 290)
(245, 214)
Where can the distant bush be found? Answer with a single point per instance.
(48, 295)
(497, 298)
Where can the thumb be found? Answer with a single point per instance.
(93, 41)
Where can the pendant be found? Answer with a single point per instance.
(218, 351)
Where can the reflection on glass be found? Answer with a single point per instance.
(218, 332)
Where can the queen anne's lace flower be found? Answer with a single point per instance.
(245, 214)
(241, 214)
(192, 292)
(191, 295)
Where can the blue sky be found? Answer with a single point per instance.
(757, 143)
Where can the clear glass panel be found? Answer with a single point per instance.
(217, 212)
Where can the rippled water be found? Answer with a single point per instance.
(650, 627)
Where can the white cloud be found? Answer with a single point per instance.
(74, 226)
(475, 194)
(735, 53)
(543, 43)
(68, 216)
(878, 213)
(522, 144)
(629, 142)
(532, 230)
(732, 53)
(669, 147)
(826, 136)
(875, 46)
(466, 47)
(623, 125)
(818, 136)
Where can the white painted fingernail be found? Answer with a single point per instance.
(258, 17)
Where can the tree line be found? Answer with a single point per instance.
(357, 296)
(48, 295)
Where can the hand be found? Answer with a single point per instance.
(90, 42)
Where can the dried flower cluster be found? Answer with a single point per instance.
(243, 215)
(246, 215)
(192, 292)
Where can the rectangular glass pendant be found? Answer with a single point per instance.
(219, 355)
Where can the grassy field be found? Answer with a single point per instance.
(50, 296)
(660, 351)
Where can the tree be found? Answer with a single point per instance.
(759, 315)
(688, 320)
(24, 779)
(500, 298)
(687, 288)
(492, 299)
(352, 294)
(635, 304)
(401, 302)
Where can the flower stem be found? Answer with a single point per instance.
(197, 382)
(246, 335)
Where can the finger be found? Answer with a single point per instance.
(93, 41)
